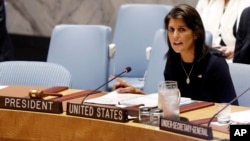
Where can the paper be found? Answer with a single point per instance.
(108, 99)
(128, 99)
(186, 101)
(150, 100)
(114, 98)
(2, 87)
(241, 117)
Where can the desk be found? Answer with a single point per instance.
(33, 126)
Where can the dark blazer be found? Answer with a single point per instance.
(6, 48)
(210, 79)
(242, 46)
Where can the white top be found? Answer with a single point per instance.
(219, 22)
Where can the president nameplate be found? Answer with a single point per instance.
(27, 104)
(97, 112)
(186, 128)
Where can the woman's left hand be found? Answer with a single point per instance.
(228, 51)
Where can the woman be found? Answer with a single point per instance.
(201, 72)
(242, 46)
(219, 17)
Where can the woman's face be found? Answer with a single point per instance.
(181, 37)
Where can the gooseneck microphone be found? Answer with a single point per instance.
(126, 70)
(236, 98)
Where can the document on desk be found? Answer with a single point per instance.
(114, 98)
(241, 117)
(3, 86)
(128, 99)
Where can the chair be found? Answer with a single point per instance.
(240, 74)
(83, 50)
(5, 16)
(134, 31)
(34, 73)
(209, 38)
(157, 62)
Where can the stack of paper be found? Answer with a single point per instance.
(3, 86)
(128, 99)
(241, 117)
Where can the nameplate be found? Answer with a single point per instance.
(97, 111)
(27, 104)
(186, 128)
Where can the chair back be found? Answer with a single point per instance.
(209, 38)
(240, 74)
(134, 31)
(34, 73)
(83, 50)
(157, 62)
(135, 27)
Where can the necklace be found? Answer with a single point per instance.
(187, 74)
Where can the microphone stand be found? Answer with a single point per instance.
(226, 106)
(127, 69)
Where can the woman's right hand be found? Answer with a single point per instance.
(122, 86)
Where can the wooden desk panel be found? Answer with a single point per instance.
(18, 91)
(32, 126)
(22, 125)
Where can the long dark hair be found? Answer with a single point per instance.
(193, 21)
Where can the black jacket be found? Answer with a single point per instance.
(210, 79)
(6, 48)
(242, 46)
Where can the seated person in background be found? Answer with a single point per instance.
(201, 72)
(242, 46)
(6, 49)
(219, 17)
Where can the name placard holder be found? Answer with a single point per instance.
(27, 104)
(186, 128)
(102, 112)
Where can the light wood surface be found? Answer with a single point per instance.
(33, 126)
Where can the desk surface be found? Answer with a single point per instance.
(33, 126)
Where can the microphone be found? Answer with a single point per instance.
(126, 70)
(236, 98)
